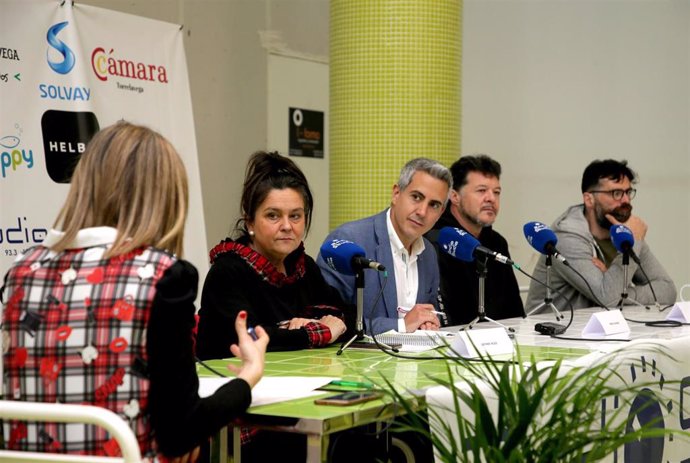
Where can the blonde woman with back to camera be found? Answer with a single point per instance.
(102, 311)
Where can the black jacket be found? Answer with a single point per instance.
(241, 279)
(459, 291)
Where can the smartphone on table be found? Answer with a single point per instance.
(348, 398)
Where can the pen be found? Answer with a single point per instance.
(338, 382)
(404, 310)
(252, 333)
(283, 323)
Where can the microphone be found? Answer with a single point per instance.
(623, 240)
(346, 257)
(543, 240)
(463, 246)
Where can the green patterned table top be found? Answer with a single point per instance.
(355, 365)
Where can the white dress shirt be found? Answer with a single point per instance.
(405, 271)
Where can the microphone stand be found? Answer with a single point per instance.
(481, 312)
(548, 300)
(359, 323)
(624, 293)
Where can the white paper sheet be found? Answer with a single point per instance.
(271, 389)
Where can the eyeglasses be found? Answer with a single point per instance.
(618, 194)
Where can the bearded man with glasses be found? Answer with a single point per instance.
(584, 239)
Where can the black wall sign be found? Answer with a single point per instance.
(65, 135)
(306, 133)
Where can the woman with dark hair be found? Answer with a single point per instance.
(265, 271)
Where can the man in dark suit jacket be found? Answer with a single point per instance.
(473, 206)
(394, 238)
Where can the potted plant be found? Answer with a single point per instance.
(528, 411)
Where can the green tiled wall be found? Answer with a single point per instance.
(394, 95)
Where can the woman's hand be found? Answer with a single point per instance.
(248, 350)
(336, 325)
(297, 323)
(190, 457)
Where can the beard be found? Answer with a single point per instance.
(474, 219)
(621, 213)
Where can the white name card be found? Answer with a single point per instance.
(485, 341)
(680, 312)
(606, 323)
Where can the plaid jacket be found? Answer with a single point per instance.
(74, 331)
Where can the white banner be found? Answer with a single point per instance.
(65, 71)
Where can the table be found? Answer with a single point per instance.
(526, 336)
(318, 422)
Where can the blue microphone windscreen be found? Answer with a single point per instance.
(458, 243)
(539, 236)
(620, 235)
(338, 255)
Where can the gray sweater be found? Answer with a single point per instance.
(577, 245)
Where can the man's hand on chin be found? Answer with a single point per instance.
(637, 226)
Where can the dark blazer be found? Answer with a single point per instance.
(371, 234)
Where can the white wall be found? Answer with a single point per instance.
(227, 72)
(548, 86)
(295, 82)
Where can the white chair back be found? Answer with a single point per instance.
(65, 413)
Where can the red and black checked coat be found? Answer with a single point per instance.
(74, 331)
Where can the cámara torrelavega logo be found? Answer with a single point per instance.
(106, 64)
(65, 135)
(67, 63)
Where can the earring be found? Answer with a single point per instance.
(251, 232)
